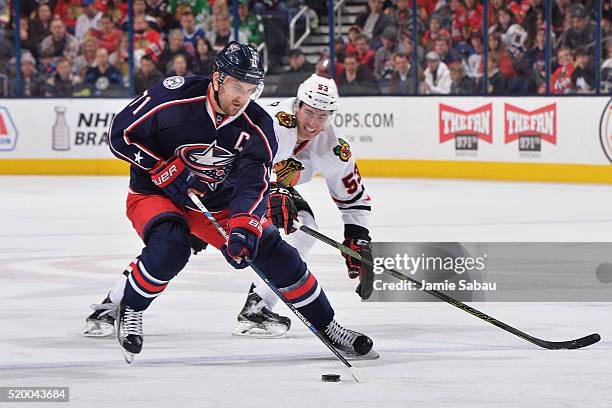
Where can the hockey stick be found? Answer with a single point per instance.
(224, 234)
(551, 345)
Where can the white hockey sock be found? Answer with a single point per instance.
(116, 294)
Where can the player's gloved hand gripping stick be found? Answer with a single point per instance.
(552, 345)
(200, 205)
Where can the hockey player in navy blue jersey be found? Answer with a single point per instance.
(207, 136)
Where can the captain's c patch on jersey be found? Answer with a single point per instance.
(343, 150)
(286, 119)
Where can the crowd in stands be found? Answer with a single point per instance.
(81, 47)
(379, 53)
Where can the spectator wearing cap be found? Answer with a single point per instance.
(383, 64)
(561, 79)
(365, 54)
(191, 33)
(299, 70)
(90, 19)
(175, 46)
(250, 24)
(201, 9)
(461, 84)
(581, 32)
(357, 79)
(103, 79)
(59, 42)
(108, 36)
(402, 79)
(204, 58)
(63, 83)
(434, 31)
(147, 75)
(583, 76)
(373, 22)
(223, 33)
(437, 76)
(32, 81)
(475, 65)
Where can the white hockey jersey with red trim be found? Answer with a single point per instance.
(328, 154)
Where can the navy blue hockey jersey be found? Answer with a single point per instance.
(231, 155)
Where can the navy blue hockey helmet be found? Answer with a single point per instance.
(240, 61)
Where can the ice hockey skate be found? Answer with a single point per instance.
(351, 344)
(257, 320)
(129, 331)
(101, 323)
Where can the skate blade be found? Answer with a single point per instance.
(98, 330)
(246, 329)
(371, 355)
(129, 357)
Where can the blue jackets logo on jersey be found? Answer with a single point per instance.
(211, 163)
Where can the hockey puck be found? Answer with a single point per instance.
(330, 378)
(604, 272)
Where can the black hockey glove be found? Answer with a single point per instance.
(197, 245)
(357, 238)
(281, 208)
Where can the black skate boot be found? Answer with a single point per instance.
(101, 323)
(257, 320)
(129, 331)
(349, 343)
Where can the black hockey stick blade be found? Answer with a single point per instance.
(570, 344)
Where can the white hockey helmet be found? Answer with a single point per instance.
(319, 92)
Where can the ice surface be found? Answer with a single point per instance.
(64, 241)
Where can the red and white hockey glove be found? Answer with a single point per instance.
(175, 179)
(244, 234)
(357, 238)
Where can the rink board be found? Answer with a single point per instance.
(530, 139)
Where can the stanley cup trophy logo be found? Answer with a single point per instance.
(61, 132)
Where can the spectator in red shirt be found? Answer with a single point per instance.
(145, 38)
(353, 33)
(68, 11)
(108, 36)
(365, 54)
(466, 19)
(561, 79)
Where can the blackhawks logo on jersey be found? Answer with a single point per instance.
(343, 150)
(288, 172)
(286, 119)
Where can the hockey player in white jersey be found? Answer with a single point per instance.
(309, 143)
